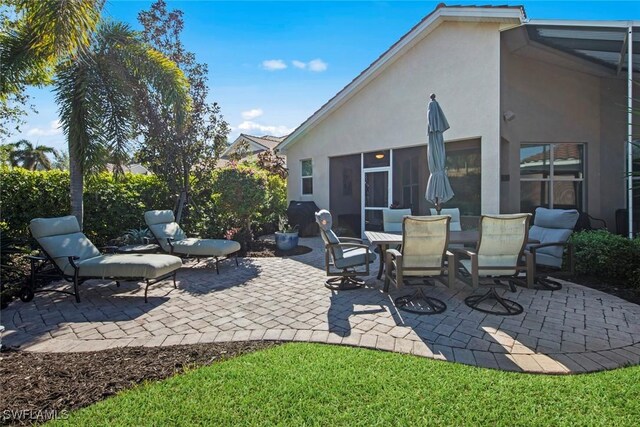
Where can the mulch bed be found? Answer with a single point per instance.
(268, 249)
(48, 383)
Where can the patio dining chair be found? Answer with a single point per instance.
(552, 228)
(345, 253)
(70, 255)
(454, 213)
(424, 256)
(172, 239)
(496, 258)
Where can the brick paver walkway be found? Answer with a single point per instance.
(576, 329)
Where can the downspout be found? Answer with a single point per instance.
(630, 132)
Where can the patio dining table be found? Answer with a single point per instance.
(383, 240)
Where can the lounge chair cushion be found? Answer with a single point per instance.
(354, 257)
(127, 266)
(205, 247)
(163, 225)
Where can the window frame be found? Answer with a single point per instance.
(303, 177)
(552, 178)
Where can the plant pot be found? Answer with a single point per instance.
(286, 241)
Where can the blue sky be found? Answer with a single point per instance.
(272, 64)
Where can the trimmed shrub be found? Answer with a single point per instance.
(111, 207)
(608, 256)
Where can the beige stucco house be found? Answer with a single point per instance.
(537, 108)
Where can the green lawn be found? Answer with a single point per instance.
(312, 384)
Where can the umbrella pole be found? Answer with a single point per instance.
(438, 206)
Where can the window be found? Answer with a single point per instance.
(465, 176)
(307, 177)
(551, 175)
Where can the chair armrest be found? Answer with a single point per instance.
(36, 258)
(350, 239)
(455, 251)
(347, 245)
(393, 252)
(535, 247)
(109, 249)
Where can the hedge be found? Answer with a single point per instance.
(608, 256)
(111, 207)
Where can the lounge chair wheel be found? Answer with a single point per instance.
(344, 283)
(419, 303)
(26, 294)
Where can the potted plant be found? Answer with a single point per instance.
(286, 237)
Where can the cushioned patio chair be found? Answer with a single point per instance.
(173, 240)
(423, 255)
(454, 213)
(552, 228)
(392, 219)
(497, 257)
(345, 253)
(69, 254)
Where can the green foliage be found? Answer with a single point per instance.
(609, 256)
(111, 206)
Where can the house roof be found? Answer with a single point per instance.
(504, 14)
(268, 142)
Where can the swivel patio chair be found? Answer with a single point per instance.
(173, 240)
(552, 228)
(497, 258)
(69, 254)
(345, 253)
(424, 256)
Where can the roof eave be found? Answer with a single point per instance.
(513, 15)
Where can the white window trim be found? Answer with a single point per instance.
(302, 177)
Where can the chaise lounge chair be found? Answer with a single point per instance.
(173, 240)
(69, 254)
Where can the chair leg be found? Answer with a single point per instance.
(509, 307)
(175, 285)
(76, 291)
(419, 303)
(237, 259)
(217, 269)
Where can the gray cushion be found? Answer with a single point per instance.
(61, 238)
(556, 218)
(353, 258)
(550, 235)
(548, 260)
(205, 247)
(127, 266)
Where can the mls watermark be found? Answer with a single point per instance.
(34, 414)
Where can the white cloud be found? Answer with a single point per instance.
(248, 125)
(273, 64)
(317, 65)
(252, 114)
(53, 129)
(299, 64)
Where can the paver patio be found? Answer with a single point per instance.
(576, 329)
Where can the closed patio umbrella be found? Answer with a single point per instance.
(439, 189)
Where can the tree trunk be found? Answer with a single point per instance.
(76, 188)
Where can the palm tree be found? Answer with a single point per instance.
(34, 37)
(104, 96)
(30, 157)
